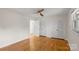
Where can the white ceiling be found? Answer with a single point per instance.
(47, 11)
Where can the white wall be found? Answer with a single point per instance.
(72, 36)
(53, 26)
(13, 27)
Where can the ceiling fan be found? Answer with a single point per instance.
(40, 12)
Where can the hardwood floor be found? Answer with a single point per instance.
(19, 46)
(41, 43)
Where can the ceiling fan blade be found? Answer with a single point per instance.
(41, 14)
(40, 10)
